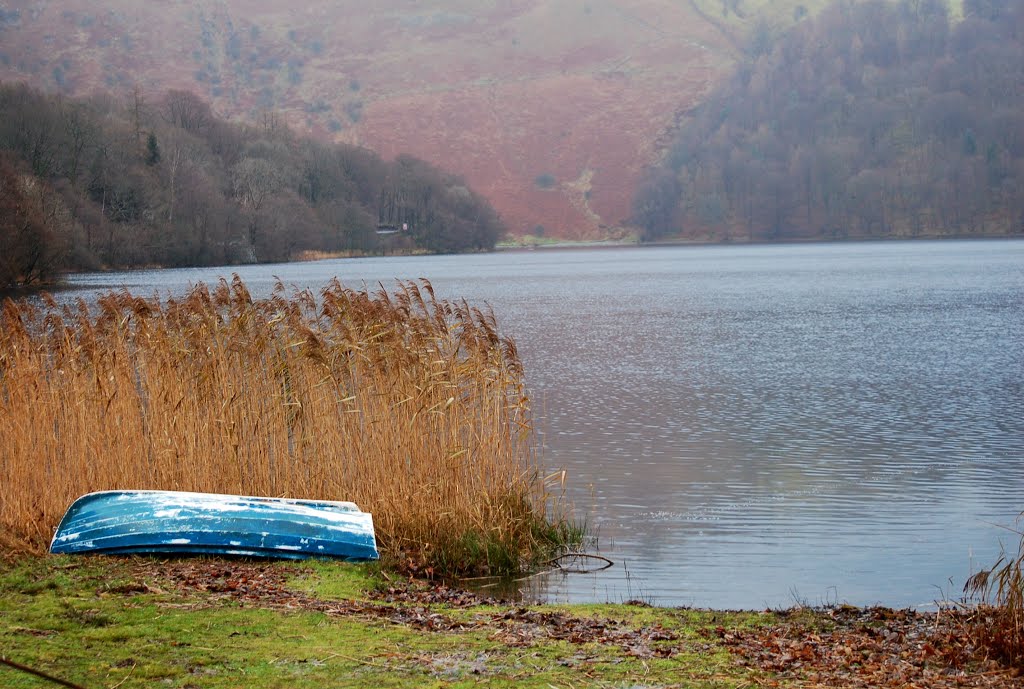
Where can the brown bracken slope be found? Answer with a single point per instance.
(551, 108)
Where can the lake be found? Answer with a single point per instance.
(752, 426)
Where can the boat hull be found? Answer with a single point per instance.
(179, 523)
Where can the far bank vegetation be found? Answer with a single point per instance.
(108, 182)
(873, 119)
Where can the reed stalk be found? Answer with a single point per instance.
(411, 406)
(998, 620)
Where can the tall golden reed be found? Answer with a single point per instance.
(411, 406)
(997, 622)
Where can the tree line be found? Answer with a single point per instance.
(874, 119)
(107, 183)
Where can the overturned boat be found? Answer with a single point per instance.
(178, 523)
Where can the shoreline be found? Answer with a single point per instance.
(566, 245)
(619, 244)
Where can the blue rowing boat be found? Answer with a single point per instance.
(177, 523)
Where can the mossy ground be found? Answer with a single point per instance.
(100, 622)
(213, 623)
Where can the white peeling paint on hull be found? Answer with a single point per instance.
(126, 522)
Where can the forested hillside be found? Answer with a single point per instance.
(99, 183)
(551, 109)
(874, 119)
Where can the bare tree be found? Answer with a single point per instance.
(33, 228)
(254, 182)
(137, 108)
(80, 133)
(187, 110)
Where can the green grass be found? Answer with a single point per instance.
(331, 580)
(109, 622)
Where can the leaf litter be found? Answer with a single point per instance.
(843, 646)
(869, 647)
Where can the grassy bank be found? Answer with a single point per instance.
(185, 624)
(411, 406)
(211, 624)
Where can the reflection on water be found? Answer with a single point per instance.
(755, 426)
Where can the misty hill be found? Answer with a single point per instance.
(550, 108)
(874, 119)
(98, 183)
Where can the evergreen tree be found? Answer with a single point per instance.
(152, 150)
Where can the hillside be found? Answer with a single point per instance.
(873, 119)
(550, 109)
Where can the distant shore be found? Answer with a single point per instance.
(562, 244)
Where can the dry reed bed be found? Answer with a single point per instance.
(411, 406)
(998, 621)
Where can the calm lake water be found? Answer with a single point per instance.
(753, 426)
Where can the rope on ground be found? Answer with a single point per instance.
(39, 673)
(575, 559)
